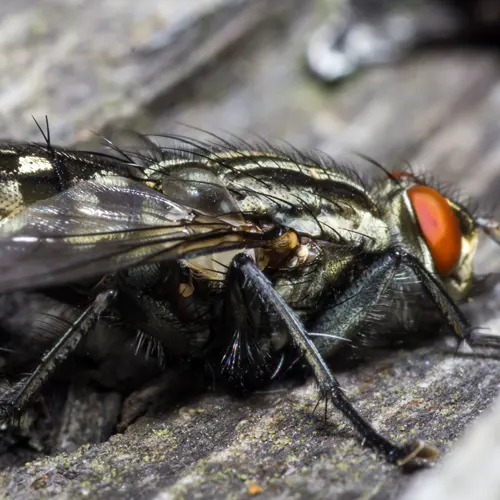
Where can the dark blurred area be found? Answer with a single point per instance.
(362, 33)
(239, 66)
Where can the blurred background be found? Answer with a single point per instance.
(244, 67)
(241, 66)
(413, 81)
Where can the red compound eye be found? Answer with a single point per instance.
(439, 225)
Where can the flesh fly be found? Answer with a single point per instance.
(247, 258)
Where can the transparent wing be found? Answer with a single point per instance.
(98, 227)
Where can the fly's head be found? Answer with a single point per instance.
(438, 230)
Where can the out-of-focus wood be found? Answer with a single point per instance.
(88, 63)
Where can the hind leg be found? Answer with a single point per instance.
(15, 397)
(245, 279)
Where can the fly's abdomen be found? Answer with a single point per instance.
(26, 176)
(33, 172)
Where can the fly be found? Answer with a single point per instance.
(246, 258)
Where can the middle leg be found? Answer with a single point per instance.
(250, 280)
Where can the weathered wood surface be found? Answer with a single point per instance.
(239, 68)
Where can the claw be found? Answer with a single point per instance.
(490, 226)
(417, 450)
(464, 347)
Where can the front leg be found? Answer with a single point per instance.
(346, 316)
(252, 282)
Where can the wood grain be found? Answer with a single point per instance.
(237, 67)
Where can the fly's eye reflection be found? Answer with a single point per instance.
(276, 257)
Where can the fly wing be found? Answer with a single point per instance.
(102, 226)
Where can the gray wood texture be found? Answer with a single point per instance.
(237, 66)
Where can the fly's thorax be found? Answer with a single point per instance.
(326, 202)
(316, 201)
(433, 228)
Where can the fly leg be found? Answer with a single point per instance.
(450, 312)
(345, 317)
(341, 320)
(448, 309)
(244, 270)
(347, 314)
(17, 397)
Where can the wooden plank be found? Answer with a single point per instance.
(437, 110)
(87, 63)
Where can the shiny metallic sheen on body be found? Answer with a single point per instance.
(190, 243)
(334, 213)
(27, 173)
